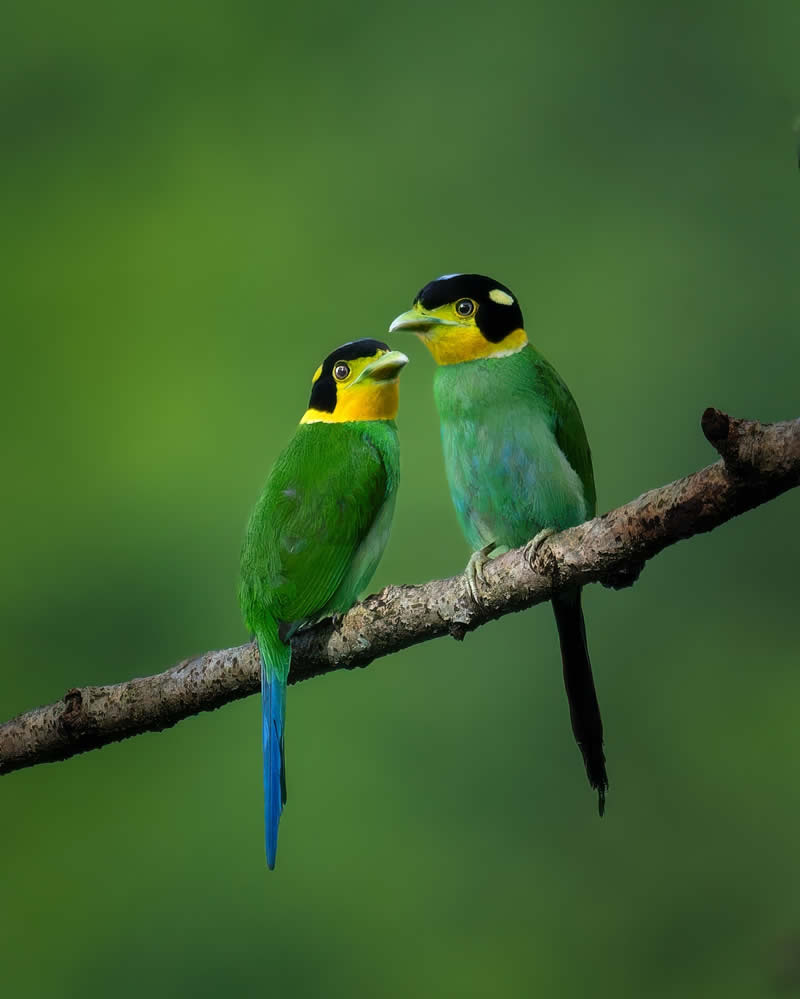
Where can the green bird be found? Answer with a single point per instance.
(319, 529)
(516, 456)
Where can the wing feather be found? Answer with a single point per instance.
(568, 427)
(319, 503)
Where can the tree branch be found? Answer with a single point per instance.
(759, 462)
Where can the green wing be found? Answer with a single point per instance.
(568, 427)
(321, 499)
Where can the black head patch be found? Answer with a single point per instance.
(323, 391)
(494, 318)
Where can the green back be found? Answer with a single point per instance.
(567, 425)
(314, 520)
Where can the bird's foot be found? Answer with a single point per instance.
(531, 550)
(474, 571)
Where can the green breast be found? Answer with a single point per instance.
(322, 522)
(516, 455)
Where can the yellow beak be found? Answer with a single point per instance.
(418, 321)
(385, 368)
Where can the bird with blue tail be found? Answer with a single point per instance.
(319, 529)
(516, 457)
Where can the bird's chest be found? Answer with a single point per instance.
(508, 477)
(365, 560)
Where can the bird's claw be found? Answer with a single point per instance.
(531, 550)
(474, 571)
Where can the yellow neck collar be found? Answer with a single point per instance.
(470, 345)
(359, 403)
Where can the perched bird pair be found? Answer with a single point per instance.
(517, 463)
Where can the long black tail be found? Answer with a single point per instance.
(584, 711)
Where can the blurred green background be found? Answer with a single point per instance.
(199, 201)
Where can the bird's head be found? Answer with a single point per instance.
(358, 381)
(463, 317)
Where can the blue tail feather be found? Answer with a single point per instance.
(275, 657)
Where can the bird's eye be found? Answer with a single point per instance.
(341, 371)
(465, 306)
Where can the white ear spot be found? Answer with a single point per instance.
(501, 297)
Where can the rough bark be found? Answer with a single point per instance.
(759, 461)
